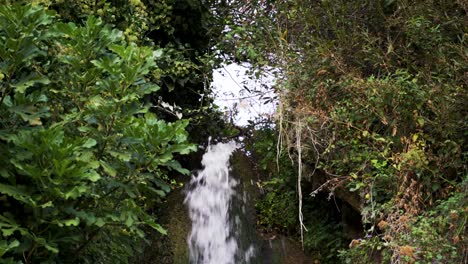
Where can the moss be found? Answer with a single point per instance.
(171, 248)
(178, 228)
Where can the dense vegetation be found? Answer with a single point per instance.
(88, 143)
(373, 113)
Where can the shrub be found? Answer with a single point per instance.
(82, 159)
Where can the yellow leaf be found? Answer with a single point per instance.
(35, 122)
(285, 33)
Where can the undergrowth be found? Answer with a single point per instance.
(373, 108)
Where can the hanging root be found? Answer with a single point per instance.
(299, 178)
(280, 134)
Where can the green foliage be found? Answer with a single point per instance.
(378, 88)
(183, 32)
(82, 158)
(277, 209)
(431, 237)
(325, 232)
(437, 233)
(134, 17)
(367, 250)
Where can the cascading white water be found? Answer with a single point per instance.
(212, 239)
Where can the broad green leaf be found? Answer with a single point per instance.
(5, 246)
(158, 53)
(85, 129)
(67, 29)
(5, 173)
(123, 156)
(71, 222)
(93, 164)
(51, 248)
(17, 193)
(106, 64)
(129, 222)
(108, 169)
(113, 217)
(29, 81)
(41, 241)
(48, 204)
(93, 176)
(156, 227)
(6, 232)
(76, 192)
(175, 165)
(99, 222)
(184, 148)
(30, 113)
(88, 217)
(8, 226)
(89, 143)
(420, 121)
(160, 193)
(162, 184)
(166, 157)
(149, 88)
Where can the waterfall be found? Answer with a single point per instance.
(214, 238)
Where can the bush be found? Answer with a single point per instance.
(372, 95)
(82, 159)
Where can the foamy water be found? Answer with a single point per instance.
(212, 239)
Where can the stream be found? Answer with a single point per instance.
(222, 215)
